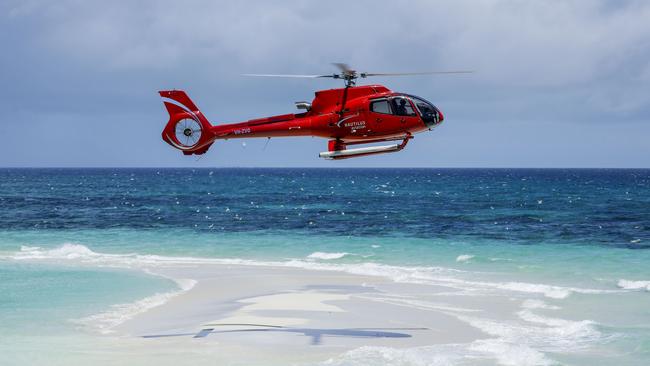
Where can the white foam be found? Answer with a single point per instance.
(326, 255)
(554, 292)
(464, 258)
(439, 355)
(67, 251)
(431, 275)
(538, 304)
(550, 291)
(478, 352)
(544, 332)
(417, 304)
(497, 259)
(119, 313)
(634, 285)
(517, 343)
(526, 341)
(575, 328)
(511, 343)
(511, 354)
(27, 248)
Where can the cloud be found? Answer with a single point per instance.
(520, 42)
(74, 62)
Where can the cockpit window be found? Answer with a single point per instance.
(380, 106)
(423, 106)
(403, 107)
(428, 112)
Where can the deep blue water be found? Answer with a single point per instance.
(522, 206)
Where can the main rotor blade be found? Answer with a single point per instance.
(345, 68)
(289, 76)
(366, 74)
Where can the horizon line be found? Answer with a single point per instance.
(312, 167)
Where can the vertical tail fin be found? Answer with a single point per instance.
(187, 129)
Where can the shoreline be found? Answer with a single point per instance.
(317, 310)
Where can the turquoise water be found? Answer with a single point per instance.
(45, 298)
(71, 240)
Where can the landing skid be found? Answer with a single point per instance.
(339, 151)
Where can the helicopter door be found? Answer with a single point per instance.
(392, 114)
(381, 113)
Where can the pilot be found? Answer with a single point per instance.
(401, 108)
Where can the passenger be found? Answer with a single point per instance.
(401, 108)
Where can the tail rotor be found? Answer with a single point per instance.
(187, 130)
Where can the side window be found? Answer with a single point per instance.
(380, 106)
(403, 107)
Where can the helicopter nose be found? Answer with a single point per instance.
(441, 117)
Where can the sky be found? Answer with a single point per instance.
(556, 83)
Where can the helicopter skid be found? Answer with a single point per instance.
(363, 151)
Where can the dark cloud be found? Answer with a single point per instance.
(80, 77)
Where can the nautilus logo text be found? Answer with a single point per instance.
(340, 123)
(357, 125)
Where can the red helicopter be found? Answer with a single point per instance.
(347, 116)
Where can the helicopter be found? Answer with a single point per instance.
(353, 115)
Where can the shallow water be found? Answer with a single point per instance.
(571, 245)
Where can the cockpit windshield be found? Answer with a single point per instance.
(428, 112)
(403, 105)
(423, 106)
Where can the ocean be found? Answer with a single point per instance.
(572, 244)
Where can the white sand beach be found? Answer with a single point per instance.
(272, 315)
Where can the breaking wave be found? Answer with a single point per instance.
(464, 258)
(431, 275)
(326, 255)
(528, 341)
(634, 285)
